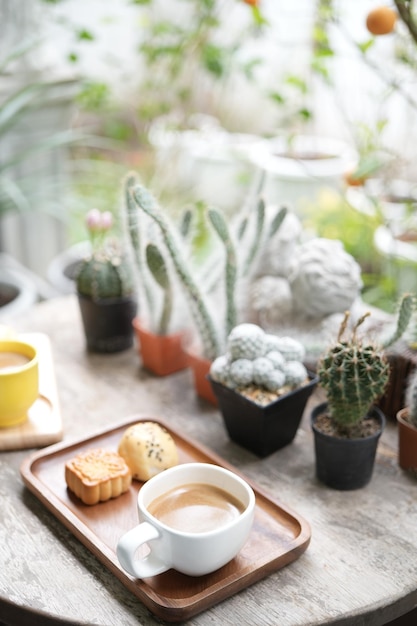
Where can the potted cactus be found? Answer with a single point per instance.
(212, 328)
(105, 289)
(160, 348)
(407, 427)
(354, 373)
(161, 351)
(262, 388)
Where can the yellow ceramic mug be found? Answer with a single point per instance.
(19, 380)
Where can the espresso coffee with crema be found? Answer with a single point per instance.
(196, 508)
(12, 360)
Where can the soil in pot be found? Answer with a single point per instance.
(343, 462)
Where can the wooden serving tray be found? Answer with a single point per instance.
(43, 425)
(278, 537)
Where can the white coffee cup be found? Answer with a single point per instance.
(194, 551)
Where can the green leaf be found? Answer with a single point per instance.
(297, 82)
(366, 45)
(367, 165)
(276, 97)
(85, 35)
(258, 18)
(213, 58)
(305, 114)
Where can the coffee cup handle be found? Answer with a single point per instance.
(150, 565)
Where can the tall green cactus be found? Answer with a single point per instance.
(198, 306)
(134, 230)
(355, 372)
(220, 226)
(159, 271)
(411, 399)
(213, 339)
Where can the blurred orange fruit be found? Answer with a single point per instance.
(381, 21)
(354, 181)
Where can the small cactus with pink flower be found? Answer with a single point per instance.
(106, 273)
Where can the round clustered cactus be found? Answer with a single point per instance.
(257, 358)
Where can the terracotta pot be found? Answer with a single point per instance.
(161, 354)
(108, 323)
(343, 463)
(407, 441)
(263, 429)
(200, 368)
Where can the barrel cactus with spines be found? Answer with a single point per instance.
(355, 371)
(106, 273)
(101, 277)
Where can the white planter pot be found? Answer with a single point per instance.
(63, 268)
(18, 292)
(395, 200)
(400, 259)
(207, 163)
(296, 180)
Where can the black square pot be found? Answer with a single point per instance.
(262, 429)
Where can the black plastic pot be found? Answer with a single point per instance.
(262, 429)
(108, 323)
(342, 463)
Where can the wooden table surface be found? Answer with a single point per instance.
(361, 564)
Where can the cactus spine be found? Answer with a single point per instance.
(355, 373)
